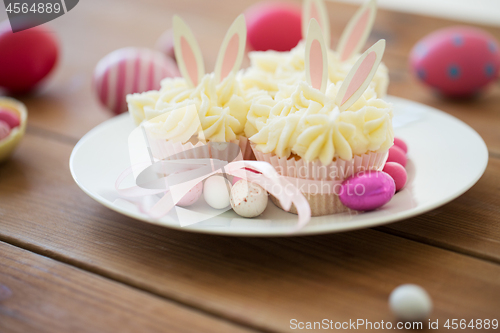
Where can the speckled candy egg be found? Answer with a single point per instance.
(457, 61)
(273, 26)
(127, 71)
(26, 57)
(248, 199)
(192, 196)
(367, 190)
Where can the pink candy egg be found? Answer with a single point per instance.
(401, 144)
(397, 155)
(457, 61)
(4, 130)
(192, 196)
(10, 118)
(397, 172)
(130, 70)
(273, 26)
(367, 190)
(26, 57)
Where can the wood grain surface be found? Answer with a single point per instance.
(192, 282)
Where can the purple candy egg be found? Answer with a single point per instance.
(457, 61)
(367, 190)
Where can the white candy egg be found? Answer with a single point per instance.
(248, 199)
(216, 192)
(410, 302)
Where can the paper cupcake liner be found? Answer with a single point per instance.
(163, 149)
(338, 170)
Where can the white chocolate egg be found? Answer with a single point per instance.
(248, 199)
(410, 302)
(216, 192)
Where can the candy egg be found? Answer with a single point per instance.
(367, 190)
(401, 144)
(397, 172)
(192, 196)
(26, 57)
(457, 61)
(13, 118)
(130, 70)
(216, 192)
(397, 155)
(248, 199)
(410, 302)
(273, 26)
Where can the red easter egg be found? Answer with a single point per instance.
(273, 26)
(397, 172)
(401, 144)
(397, 155)
(457, 61)
(127, 71)
(26, 57)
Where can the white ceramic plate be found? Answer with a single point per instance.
(439, 170)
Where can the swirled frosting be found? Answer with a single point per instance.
(222, 107)
(308, 123)
(269, 69)
(179, 125)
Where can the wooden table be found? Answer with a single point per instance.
(68, 264)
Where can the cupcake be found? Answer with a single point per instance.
(270, 69)
(323, 133)
(198, 108)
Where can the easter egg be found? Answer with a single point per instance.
(192, 196)
(457, 61)
(367, 190)
(273, 26)
(127, 71)
(401, 144)
(165, 44)
(248, 199)
(216, 192)
(397, 155)
(410, 302)
(26, 57)
(397, 172)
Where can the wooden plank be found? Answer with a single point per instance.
(38, 294)
(262, 283)
(68, 107)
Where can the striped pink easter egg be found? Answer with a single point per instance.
(127, 71)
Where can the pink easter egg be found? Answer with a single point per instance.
(165, 44)
(401, 144)
(10, 118)
(4, 130)
(457, 61)
(127, 71)
(397, 172)
(397, 155)
(26, 57)
(273, 26)
(192, 196)
(367, 190)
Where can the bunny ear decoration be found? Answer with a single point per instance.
(316, 9)
(232, 49)
(316, 59)
(357, 31)
(360, 76)
(187, 53)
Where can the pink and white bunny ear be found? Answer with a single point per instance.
(187, 53)
(316, 9)
(357, 31)
(360, 76)
(316, 59)
(232, 49)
